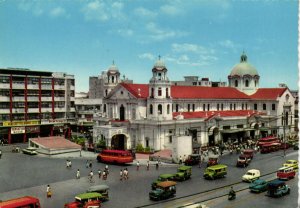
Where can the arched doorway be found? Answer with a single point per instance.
(122, 113)
(212, 133)
(118, 142)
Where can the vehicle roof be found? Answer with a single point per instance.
(115, 151)
(18, 201)
(291, 161)
(253, 170)
(276, 182)
(184, 167)
(100, 187)
(166, 175)
(217, 166)
(89, 195)
(165, 184)
(286, 168)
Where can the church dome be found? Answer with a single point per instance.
(113, 69)
(243, 68)
(159, 65)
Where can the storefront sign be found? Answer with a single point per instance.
(20, 123)
(17, 130)
(32, 129)
(53, 121)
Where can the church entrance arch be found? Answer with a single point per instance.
(119, 142)
(212, 134)
(122, 113)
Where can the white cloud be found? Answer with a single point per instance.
(125, 32)
(142, 12)
(147, 56)
(187, 47)
(103, 11)
(159, 34)
(171, 9)
(31, 6)
(57, 12)
(229, 44)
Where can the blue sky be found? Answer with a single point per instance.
(195, 37)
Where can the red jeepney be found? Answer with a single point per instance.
(249, 152)
(26, 201)
(286, 173)
(268, 140)
(267, 148)
(86, 200)
(115, 156)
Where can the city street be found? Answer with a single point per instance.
(29, 175)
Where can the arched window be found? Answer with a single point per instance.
(159, 91)
(151, 109)
(159, 109)
(242, 106)
(168, 109)
(167, 92)
(218, 106)
(247, 83)
(106, 92)
(255, 83)
(230, 106)
(104, 108)
(233, 106)
(177, 106)
(222, 106)
(188, 107)
(203, 107)
(152, 92)
(193, 107)
(113, 79)
(159, 76)
(236, 83)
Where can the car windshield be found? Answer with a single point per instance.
(249, 173)
(289, 162)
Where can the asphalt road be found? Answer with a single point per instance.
(29, 175)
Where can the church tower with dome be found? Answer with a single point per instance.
(112, 78)
(244, 77)
(159, 101)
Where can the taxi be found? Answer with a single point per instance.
(291, 163)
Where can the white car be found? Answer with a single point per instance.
(251, 175)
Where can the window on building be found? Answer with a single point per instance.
(203, 107)
(193, 107)
(113, 79)
(230, 106)
(242, 106)
(264, 106)
(208, 107)
(167, 92)
(152, 92)
(151, 109)
(104, 108)
(255, 106)
(222, 106)
(147, 142)
(247, 83)
(188, 107)
(273, 106)
(218, 106)
(168, 109)
(159, 109)
(234, 106)
(194, 83)
(159, 76)
(246, 106)
(236, 83)
(106, 92)
(255, 83)
(159, 91)
(177, 106)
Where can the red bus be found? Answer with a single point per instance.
(115, 156)
(22, 202)
(268, 140)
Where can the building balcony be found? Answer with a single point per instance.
(4, 99)
(46, 87)
(18, 110)
(59, 110)
(72, 110)
(59, 98)
(33, 110)
(4, 111)
(59, 87)
(18, 99)
(4, 86)
(49, 99)
(46, 110)
(18, 86)
(32, 86)
(32, 99)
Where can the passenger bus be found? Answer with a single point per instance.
(268, 140)
(115, 156)
(22, 202)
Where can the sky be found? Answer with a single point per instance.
(202, 38)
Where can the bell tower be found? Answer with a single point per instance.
(159, 102)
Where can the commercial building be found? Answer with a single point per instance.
(35, 103)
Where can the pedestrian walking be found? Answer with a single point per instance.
(148, 165)
(91, 174)
(99, 173)
(121, 175)
(0, 154)
(49, 191)
(104, 176)
(126, 174)
(106, 170)
(137, 165)
(156, 165)
(180, 160)
(78, 174)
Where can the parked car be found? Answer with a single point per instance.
(291, 163)
(85, 200)
(164, 190)
(161, 178)
(215, 171)
(249, 152)
(258, 185)
(296, 146)
(277, 188)
(183, 173)
(243, 160)
(213, 160)
(251, 175)
(30, 151)
(101, 189)
(193, 159)
(286, 173)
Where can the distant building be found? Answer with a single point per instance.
(194, 81)
(35, 103)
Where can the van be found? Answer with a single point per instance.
(215, 171)
(251, 175)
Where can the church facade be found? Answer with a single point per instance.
(156, 113)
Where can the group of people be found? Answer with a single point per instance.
(124, 174)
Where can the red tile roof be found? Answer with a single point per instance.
(268, 93)
(189, 92)
(210, 114)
